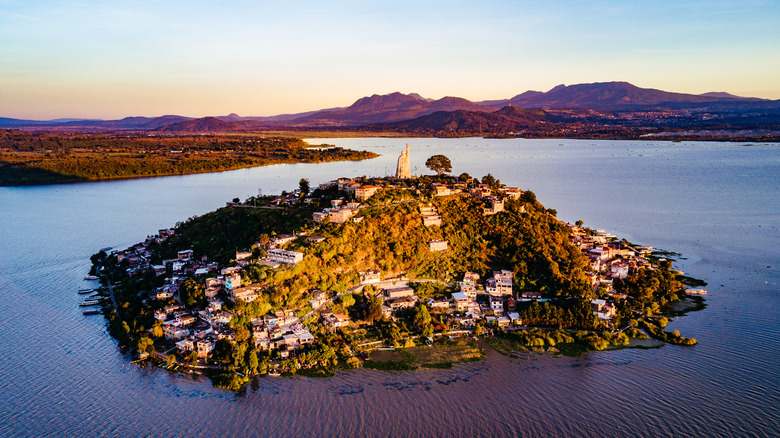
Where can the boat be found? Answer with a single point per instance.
(91, 277)
(696, 291)
(91, 312)
(90, 303)
(106, 248)
(86, 291)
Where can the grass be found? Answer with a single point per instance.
(443, 354)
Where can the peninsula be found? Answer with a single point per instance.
(387, 273)
(56, 157)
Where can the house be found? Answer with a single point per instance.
(604, 310)
(284, 256)
(282, 239)
(406, 302)
(318, 298)
(205, 346)
(186, 319)
(500, 284)
(365, 192)
(243, 255)
(461, 301)
(215, 305)
(340, 215)
(387, 311)
(431, 219)
(495, 205)
(233, 281)
(187, 344)
(316, 239)
(222, 318)
(394, 292)
(470, 277)
(503, 321)
(513, 192)
(437, 245)
(515, 317)
(334, 320)
(319, 216)
(439, 305)
(246, 294)
(172, 330)
(370, 276)
(185, 254)
(480, 192)
(441, 189)
(497, 305)
(469, 289)
(531, 295)
(351, 188)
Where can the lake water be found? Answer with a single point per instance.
(714, 203)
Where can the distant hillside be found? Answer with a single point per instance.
(614, 95)
(387, 108)
(206, 124)
(505, 120)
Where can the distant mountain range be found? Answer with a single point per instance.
(418, 113)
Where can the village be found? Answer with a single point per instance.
(468, 306)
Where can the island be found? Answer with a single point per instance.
(392, 273)
(57, 157)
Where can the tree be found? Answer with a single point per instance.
(347, 300)
(144, 344)
(423, 321)
(439, 164)
(374, 311)
(489, 180)
(303, 184)
(464, 177)
(192, 292)
(252, 361)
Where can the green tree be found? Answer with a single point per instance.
(374, 311)
(157, 330)
(303, 184)
(144, 344)
(422, 319)
(489, 180)
(192, 292)
(347, 300)
(252, 361)
(439, 164)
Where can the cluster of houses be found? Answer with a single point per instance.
(494, 301)
(609, 260)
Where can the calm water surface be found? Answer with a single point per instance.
(715, 203)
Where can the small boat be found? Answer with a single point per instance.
(90, 303)
(91, 312)
(91, 277)
(86, 291)
(106, 248)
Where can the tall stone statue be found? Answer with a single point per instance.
(404, 170)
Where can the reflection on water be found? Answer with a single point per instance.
(715, 203)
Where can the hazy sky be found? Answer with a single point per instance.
(110, 59)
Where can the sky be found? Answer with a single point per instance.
(112, 59)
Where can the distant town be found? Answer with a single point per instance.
(231, 319)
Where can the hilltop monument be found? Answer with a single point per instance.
(404, 170)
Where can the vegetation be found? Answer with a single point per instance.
(45, 158)
(439, 164)
(525, 239)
